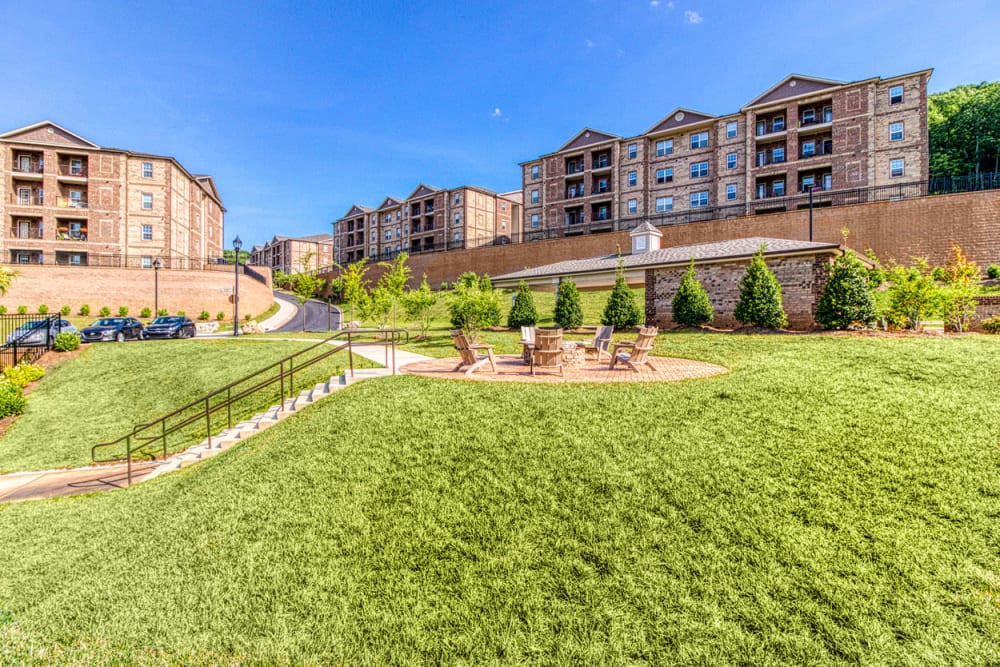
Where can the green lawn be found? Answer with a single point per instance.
(110, 388)
(832, 500)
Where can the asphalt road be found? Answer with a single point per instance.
(318, 316)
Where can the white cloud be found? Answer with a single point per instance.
(590, 43)
(693, 17)
(654, 3)
(496, 113)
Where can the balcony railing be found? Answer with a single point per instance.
(32, 232)
(71, 235)
(76, 171)
(574, 218)
(601, 217)
(602, 163)
(818, 151)
(33, 199)
(428, 209)
(576, 191)
(33, 167)
(818, 119)
(70, 202)
(574, 167)
(600, 189)
(770, 128)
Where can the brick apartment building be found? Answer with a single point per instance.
(428, 220)
(65, 200)
(803, 134)
(291, 255)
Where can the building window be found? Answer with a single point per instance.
(664, 204)
(74, 260)
(699, 199)
(632, 178)
(896, 95)
(895, 131)
(664, 175)
(699, 169)
(699, 140)
(731, 129)
(808, 116)
(534, 174)
(778, 124)
(458, 198)
(731, 161)
(731, 192)
(388, 235)
(778, 155)
(633, 206)
(458, 219)
(827, 114)
(147, 169)
(808, 149)
(778, 188)
(503, 206)
(147, 200)
(534, 219)
(664, 147)
(633, 150)
(147, 262)
(896, 168)
(534, 196)
(458, 237)
(398, 215)
(76, 167)
(147, 232)
(808, 183)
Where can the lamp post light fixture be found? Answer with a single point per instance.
(157, 265)
(237, 244)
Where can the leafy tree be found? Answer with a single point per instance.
(227, 256)
(963, 126)
(569, 312)
(379, 305)
(418, 303)
(913, 294)
(6, 279)
(961, 279)
(393, 282)
(282, 280)
(760, 296)
(306, 287)
(522, 313)
(355, 286)
(847, 296)
(691, 306)
(621, 310)
(474, 304)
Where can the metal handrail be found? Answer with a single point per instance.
(154, 433)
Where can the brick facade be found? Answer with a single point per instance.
(292, 255)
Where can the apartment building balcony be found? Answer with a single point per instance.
(72, 202)
(601, 189)
(600, 213)
(575, 166)
(28, 165)
(815, 118)
(818, 147)
(772, 154)
(771, 124)
(73, 171)
(576, 190)
(600, 161)
(26, 229)
(25, 256)
(574, 216)
(22, 195)
(770, 187)
(66, 258)
(70, 231)
(428, 208)
(816, 181)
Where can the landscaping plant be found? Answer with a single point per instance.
(392, 283)
(993, 271)
(104, 311)
(162, 312)
(23, 374)
(355, 286)
(220, 316)
(122, 311)
(65, 310)
(568, 312)
(146, 312)
(691, 306)
(85, 310)
(622, 311)
(958, 298)
(43, 309)
(12, 399)
(417, 304)
(913, 295)
(66, 342)
(522, 313)
(473, 304)
(760, 296)
(3, 310)
(992, 325)
(22, 310)
(203, 315)
(847, 297)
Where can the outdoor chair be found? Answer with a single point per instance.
(601, 342)
(547, 351)
(527, 342)
(468, 351)
(639, 353)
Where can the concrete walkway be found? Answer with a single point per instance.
(57, 483)
(286, 311)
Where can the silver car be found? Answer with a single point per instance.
(34, 333)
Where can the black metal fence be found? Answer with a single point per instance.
(26, 337)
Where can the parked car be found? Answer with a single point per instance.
(172, 326)
(33, 333)
(113, 328)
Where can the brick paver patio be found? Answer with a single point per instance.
(510, 368)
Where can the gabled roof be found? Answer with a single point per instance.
(49, 133)
(587, 137)
(793, 85)
(209, 183)
(357, 209)
(679, 117)
(390, 202)
(423, 190)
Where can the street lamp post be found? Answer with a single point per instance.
(237, 244)
(157, 265)
(811, 189)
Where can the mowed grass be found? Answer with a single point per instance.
(832, 500)
(111, 387)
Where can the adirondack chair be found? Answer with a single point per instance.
(527, 342)
(639, 350)
(468, 352)
(547, 351)
(601, 343)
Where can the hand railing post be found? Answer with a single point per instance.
(394, 353)
(128, 458)
(291, 377)
(229, 405)
(208, 422)
(350, 353)
(163, 424)
(281, 380)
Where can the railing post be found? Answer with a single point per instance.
(128, 458)
(163, 424)
(394, 352)
(350, 353)
(291, 377)
(281, 380)
(229, 405)
(208, 422)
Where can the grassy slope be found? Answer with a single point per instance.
(830, 500)
(108, 389)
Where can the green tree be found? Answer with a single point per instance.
(963, 127)
(379, 305)
(227, 256)
(522, 313)
(691, 306)
(913, 294)
(418, 303)
(282, 280)
(569, 312)
(760, 296)
(847, 296)
(355, 286)
(6, 279)
(307, 285)
(621, 311)
(474, 305)
(393, 282)
(961, 279)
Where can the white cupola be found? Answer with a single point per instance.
(645, 238)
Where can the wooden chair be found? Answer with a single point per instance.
(601, 343)
(527, 342)
(470, 357)
(639, 350)
(547, 351)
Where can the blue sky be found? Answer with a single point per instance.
(299, 111)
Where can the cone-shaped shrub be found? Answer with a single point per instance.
(621, 311)
(569, 312)
(846, 298)
(522, 313)
(760, 296)
(691, 306)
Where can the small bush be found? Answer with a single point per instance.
(122, 311)
(203, 315)
(65, 310)
(992, 325)
(43, 309)
(146, 312)
(993, 271)
(621, 311)
(522, 313)
(162, 312)
(11, 400)
(3, 310)
(248, 317)
(85, 310)
(23, 374)
(760, 296)
(181, 313)
(939, 274)
(104, 311)
(691, 306)
(568, 313)
(66, 342)
(847, 299)
(22, 310)
(220, 316)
